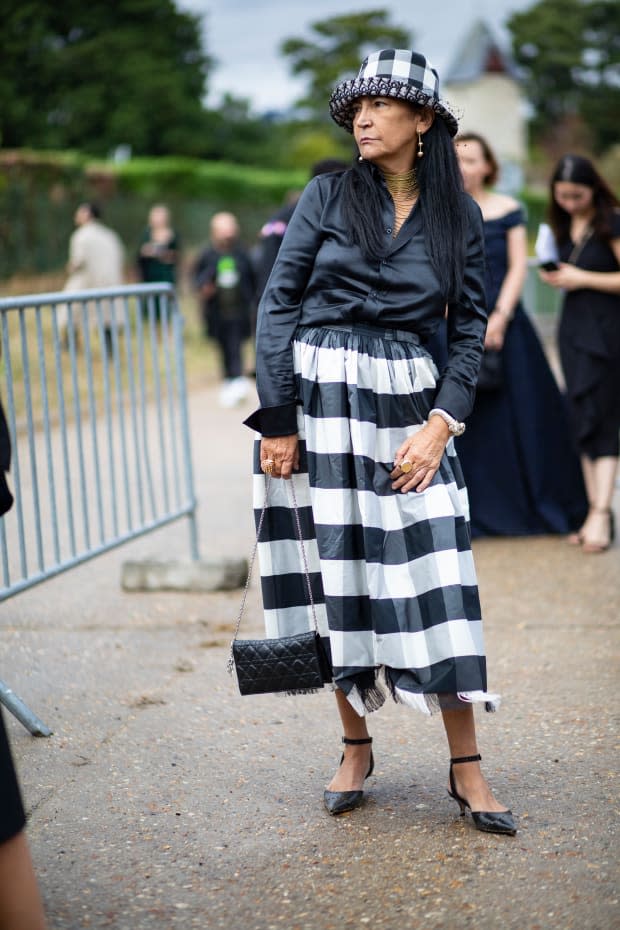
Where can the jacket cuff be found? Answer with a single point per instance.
(453, 401)
(274, 421)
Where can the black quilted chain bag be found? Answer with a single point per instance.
(293, 664)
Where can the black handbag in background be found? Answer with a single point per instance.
(291, 664)
(491, 374)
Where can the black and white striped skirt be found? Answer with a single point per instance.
(392, 574)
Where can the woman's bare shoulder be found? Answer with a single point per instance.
(499, 205)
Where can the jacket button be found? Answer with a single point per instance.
(388, 229)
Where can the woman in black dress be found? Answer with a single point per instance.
(20, 902)
(585, 219)
(520, 465)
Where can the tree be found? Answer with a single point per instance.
(569, 53)
(337, 50)
(94, 75)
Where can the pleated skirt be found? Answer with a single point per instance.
(392, 574)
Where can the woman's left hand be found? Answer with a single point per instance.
(567, 277)
(424, 451)
(496, 330)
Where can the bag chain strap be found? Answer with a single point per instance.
(231, 662)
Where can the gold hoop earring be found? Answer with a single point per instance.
(420, 145)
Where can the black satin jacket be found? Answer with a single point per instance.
(320, 278)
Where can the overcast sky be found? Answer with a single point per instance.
(244, 36)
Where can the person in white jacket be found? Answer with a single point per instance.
(95, 261)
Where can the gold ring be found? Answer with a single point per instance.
(405, 466)
(267, 466)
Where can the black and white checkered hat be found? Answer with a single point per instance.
(392, 72)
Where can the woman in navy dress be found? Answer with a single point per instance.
(520, 467)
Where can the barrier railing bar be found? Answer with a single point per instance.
(157, 383)
(144, 400)
(107, 406)
(51, 481)
(178, 324)
(170, 397)
(5, 555)
(77, 411)
(132, 407)
(34, 472)
(60, 388)
(92, 413)
(19, 710)
(120, 409)
(59, 297)
(15, 467)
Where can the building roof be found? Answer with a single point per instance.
(480, 53)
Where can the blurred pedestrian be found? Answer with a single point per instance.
(20, 902)
(158, 256)
(95, 262)
(351, 403)
(584, 215)
(224, 278)
(272, 232)
(520, 464)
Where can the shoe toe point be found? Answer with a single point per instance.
(339, 802)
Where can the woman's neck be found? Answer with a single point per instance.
(482, 196)
(403, 189)
(402, 186)
(579, 223)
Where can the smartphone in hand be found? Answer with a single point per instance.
(549, 266)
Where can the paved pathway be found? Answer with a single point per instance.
(165, 800)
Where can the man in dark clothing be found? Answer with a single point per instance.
(224, 278)
(272, 233)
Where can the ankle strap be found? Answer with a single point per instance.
(477, 758)
(356, 742)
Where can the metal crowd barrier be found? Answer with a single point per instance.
(93, 385)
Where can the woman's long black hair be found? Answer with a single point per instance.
(580, 170)
(441, 204)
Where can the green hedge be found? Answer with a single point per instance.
(40, 190)
(186, 177)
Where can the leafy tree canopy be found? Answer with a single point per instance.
(336, 50)
(569, 53)
(98, 74)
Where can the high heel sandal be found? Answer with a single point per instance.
(338, 802)
(487, 821)
(577, 537)
(594, 546)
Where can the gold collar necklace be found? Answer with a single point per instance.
(402, 185)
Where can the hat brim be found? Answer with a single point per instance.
(348, 91)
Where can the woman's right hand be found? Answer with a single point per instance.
(283, 454)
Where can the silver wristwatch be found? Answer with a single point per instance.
(456, 428)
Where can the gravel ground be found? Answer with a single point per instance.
(166, 800)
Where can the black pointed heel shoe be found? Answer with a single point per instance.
(339, 802)
(487, 821)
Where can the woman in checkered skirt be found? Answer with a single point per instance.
(352, 410)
